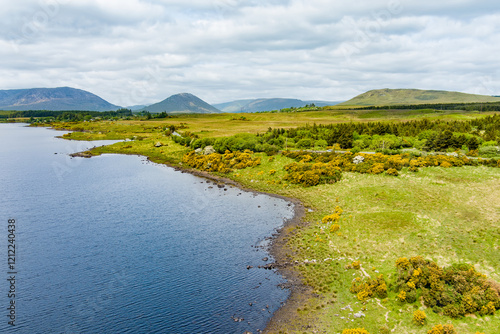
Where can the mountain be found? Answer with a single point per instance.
(62, 98)
(255, 105)
(386, 97)
(182, 103)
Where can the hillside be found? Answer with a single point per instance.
(182, 103)
(385, 97)
(255, 105)
(62, 98)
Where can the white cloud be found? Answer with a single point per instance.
(142, 51)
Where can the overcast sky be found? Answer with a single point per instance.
(142, 51)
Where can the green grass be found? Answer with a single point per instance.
(384, 97)
(448, 215)
(220, 125)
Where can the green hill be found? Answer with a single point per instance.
(387, 97)
(182, 103)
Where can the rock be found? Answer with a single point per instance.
(359, 315)
(198, 151)
(358, 159)
(265, 259)
(249, 267)
(208, 150)
(270, 266)
(158, 144)
(81, 155)
(348, 307)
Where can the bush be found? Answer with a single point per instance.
(308, 174)
(355, 331)
(456, 290)
(321, 144)
(419, 317)
(368, 288)
(304, 143)
(442, 329)
(222, 163)
(489, 151)
(334, 217)
(413, 169)
(392, 171)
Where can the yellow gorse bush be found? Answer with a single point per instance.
(442, 329)
(222, 163)
(368, 288)
(355, 331)
(454, 291)
(419, 317)
(334, 217)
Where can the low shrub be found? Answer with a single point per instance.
(419, 317)
(355, 331)
(368, 288)
(442, 329)
(222, 163)
(455, 291)
(311, 174)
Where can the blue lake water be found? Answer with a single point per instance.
(115, 244)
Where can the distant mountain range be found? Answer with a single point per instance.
(63, 98)
(182, 103)
(387, 97)
(66, 98)
(255, 105)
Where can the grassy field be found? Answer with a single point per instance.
(448, 215)
(385, 97)
(220, 125)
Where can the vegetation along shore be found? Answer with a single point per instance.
(401, 239)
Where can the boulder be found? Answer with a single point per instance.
(198, 151)
(359, 315)
(208, 150)
(358, 159)
(158, 144)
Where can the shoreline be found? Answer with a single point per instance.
(276, 248)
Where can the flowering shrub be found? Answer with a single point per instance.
(392, 164)
(355, 331)
(392, 171)
(334, 217)
(419, 317)
(413, 169)
(442, 329)
(309, 174)
(365, 289)
(455, 291)
(223, 163)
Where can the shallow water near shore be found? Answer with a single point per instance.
(116, 244)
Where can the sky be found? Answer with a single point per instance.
(132, 52)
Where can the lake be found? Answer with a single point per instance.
(116, 244)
